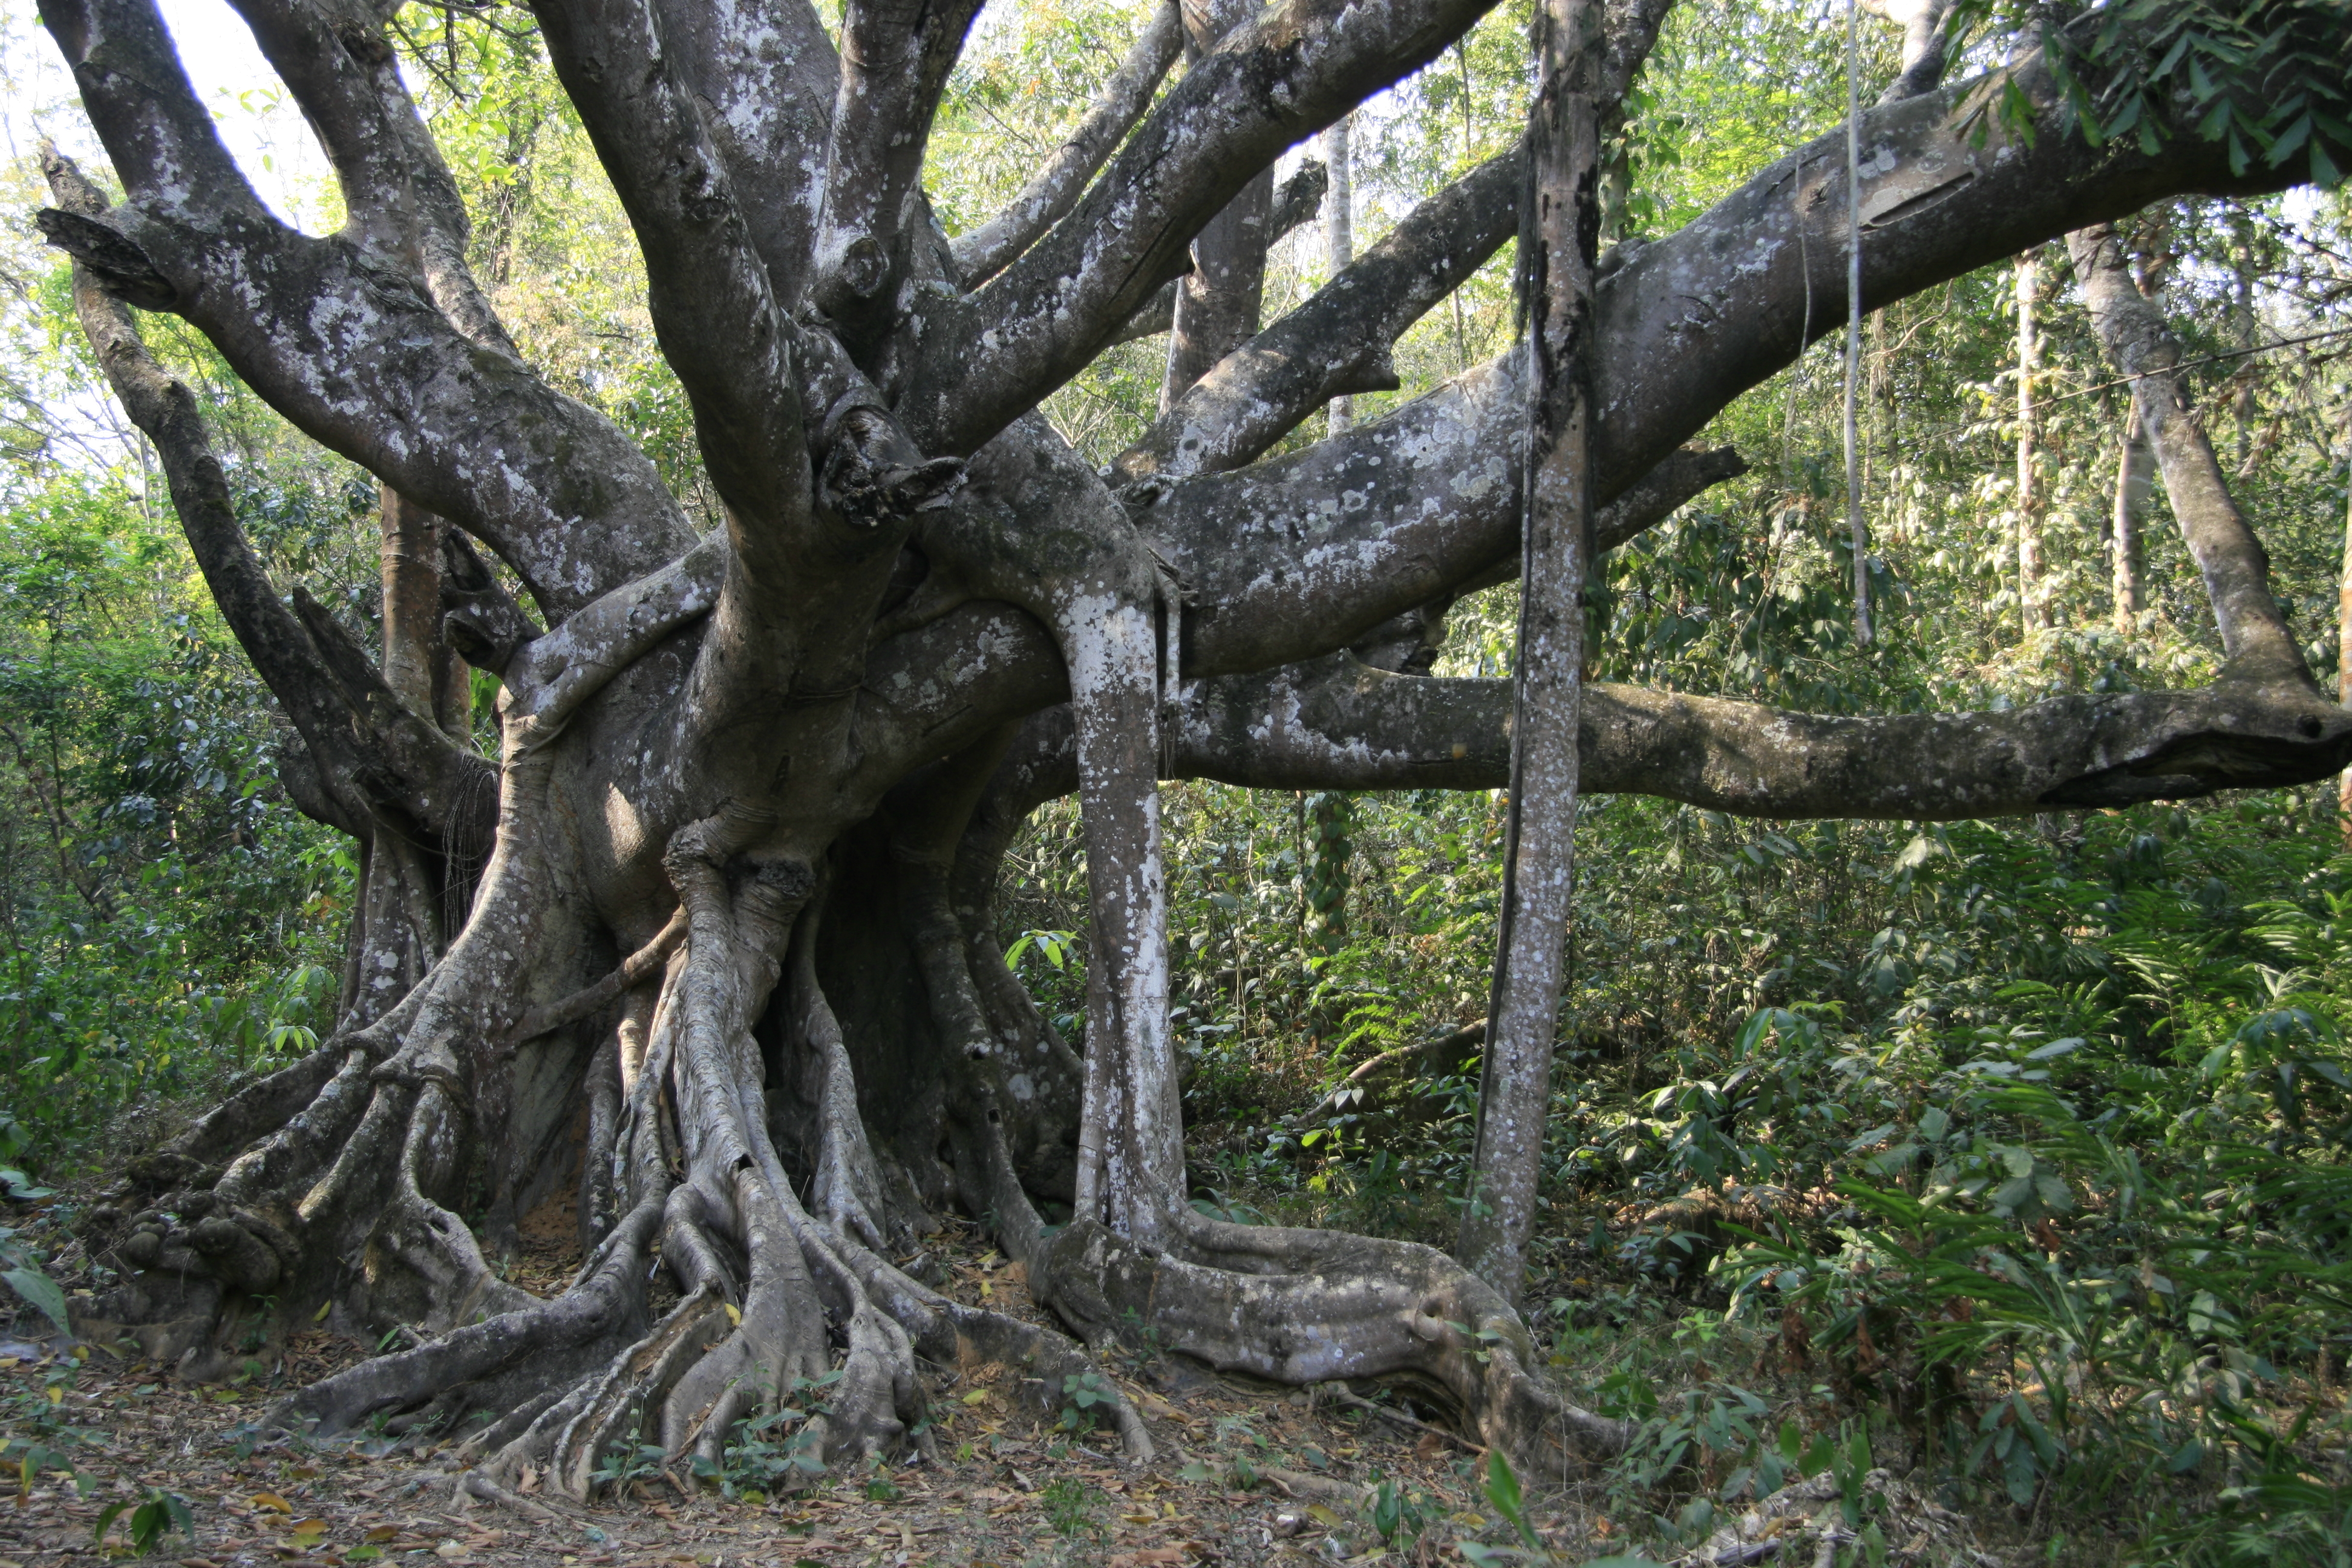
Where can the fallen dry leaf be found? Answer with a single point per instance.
(1153, 1557)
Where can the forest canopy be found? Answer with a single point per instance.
(1623, 717)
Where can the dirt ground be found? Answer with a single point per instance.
(1243, 1474)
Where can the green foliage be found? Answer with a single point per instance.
(40, 1437)
(627, 1462)
(2021, 1146)
(2153, 70)
(152, 1517)
(764, 1454)
(1081, 1393)
(20, 1268)
(138, 757)
(1071, 1507)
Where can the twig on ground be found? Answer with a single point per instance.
(1346, 1395)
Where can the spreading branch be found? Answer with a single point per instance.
(895, 59)
(1056, 187)
(1276, 80)
(402, 204)
(1294, 556)
(1338, 342)
(766, 74)
(1297, 202)
(370, 750)
(713, 310)
(351, 352)
(1339, 724)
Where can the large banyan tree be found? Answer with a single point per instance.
(707, 953)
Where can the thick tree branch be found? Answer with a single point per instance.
(707, 288)
(937, 689)
(1337, 724)
(2237, 570)
(1338, 342)
(160, 141)
(1925, 41)
(348, 350)
(1285, 76)
(895, 59)
(1054, 188)
(766, 74)
(1218, 302)
(1296, 202)
(368, 749)
(402, 204)
(1300, 555)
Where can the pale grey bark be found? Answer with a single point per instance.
(2033, 612)
(1560, 218)
(1339, 233)
(1857, 528)
(1056, 186)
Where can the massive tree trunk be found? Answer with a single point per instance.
(706, 959)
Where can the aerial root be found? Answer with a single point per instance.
(1306, 1306)
(639, 1381)
(474, 1484)
(609, 1294)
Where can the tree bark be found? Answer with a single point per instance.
(1217, 301)
(1857, 529)
(1339, 233)
(2126, 549)
(2260, 645)
(2344, 628)
(427, 676)
(1562, 218)
(749, 784)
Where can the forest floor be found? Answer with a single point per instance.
(1244, 1473)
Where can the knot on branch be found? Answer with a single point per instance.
(2271, 739)
(116, 261)
(874, 475)
(481, 621)
(701, 850)
(865, 267)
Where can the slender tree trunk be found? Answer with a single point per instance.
(2242, 318)
(418, 665)
(2261, 647)
(2343, 629)
(2124, 543)
(1857, 529)
(1560, 218)
(1339, 230)
(1469, 161)
(2034, 615)
(1330, 820)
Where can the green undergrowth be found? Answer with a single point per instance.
(2020, 1152)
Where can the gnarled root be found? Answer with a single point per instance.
(1312, 1306)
